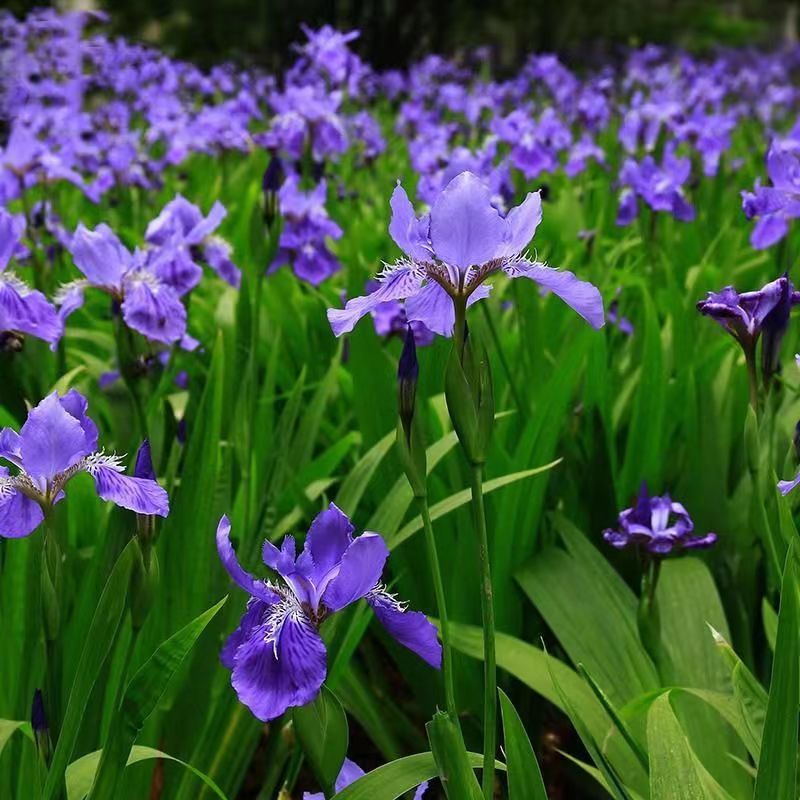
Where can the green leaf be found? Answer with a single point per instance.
(322, 730)
(393, 780)
(452, 758)
(99, 640)
(461, 498)
(141, 698)
(9, 727)
(80, 773)
(524, 776)
(777, 767)
(355, 484)
(675, 771)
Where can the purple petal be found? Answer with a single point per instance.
(75, 404)
(253, 616)
(768, 231)
(433, 307)
(272, 675)
(12, 226)
(329, 536)
(217, 254)
(282, 561)
(403, 227)
(784, 487)
(10, 446)
(466, 229)
(582, 296)
(411, 628)
(174, 267)
(136, 494)
(144, 462)
(28, 311)
(253, 586)
(154, 310)
(349, 773)
(51, 440)
(523, 220)
(361, 569)
(402, 282)
(100, 255)
(19, 515)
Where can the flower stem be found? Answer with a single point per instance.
(752, 376)
(444, 624)
(487, 613)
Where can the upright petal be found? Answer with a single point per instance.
(51, 440)
(75, 404)
(100, 255)
(466, 229)
(411, 628)
(582, 296)
(10, 447)
(402, 282)
(252, 585)
(12, 226)
(280, 666)
(328, 538)
(403, 227)
(361, 569)
(523, 220)
(141, 495)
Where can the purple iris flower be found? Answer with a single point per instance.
(748, 315)
(454, 249)
(390, 319)
(22, 310)
(149, 304)
(306, 229)
(183, 234)
(657, 524)
(57, 441)
(350, 773)
(276, 655)
(773, 206)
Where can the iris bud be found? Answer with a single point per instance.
(410, 444)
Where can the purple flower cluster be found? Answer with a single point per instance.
(58, 441)
(276, 655)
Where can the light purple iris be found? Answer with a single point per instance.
(350, 773)
(57, 441)
(454, 249)
(149, 304)
(773, 206)
(22, 309)
(277, 657)
(658, 525)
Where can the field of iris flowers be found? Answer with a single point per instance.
(285, 512)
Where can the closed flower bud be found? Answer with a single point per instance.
(407, 375)
(40, 726)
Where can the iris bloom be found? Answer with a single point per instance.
(747, 315)
(658, 525)
(22, 309)
(57, 441)
(276, 655)
(453, 250)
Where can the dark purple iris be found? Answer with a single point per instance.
(276, 655)
(658, 525)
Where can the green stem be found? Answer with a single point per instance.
(444, 624)
(752, 376)
(501, 354)
(487, 613)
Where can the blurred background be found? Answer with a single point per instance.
(397, 31)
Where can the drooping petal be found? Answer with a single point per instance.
(28, 311)
(360, 570)
(466, 229)
(768, 231)
(19, 515)
(402, 282)
(784, 487)
(10, 446)
(582, 296)
(411, 628)
(141, 495)
(154, 310)
(328, 538)
(433, 307)
(523, 220)
(174, 266)
(253, 586)
(254, 615)
(51, 440)
(403, 227)
(349, 773)
(12, 226)
(100, 255)
(280, 665)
